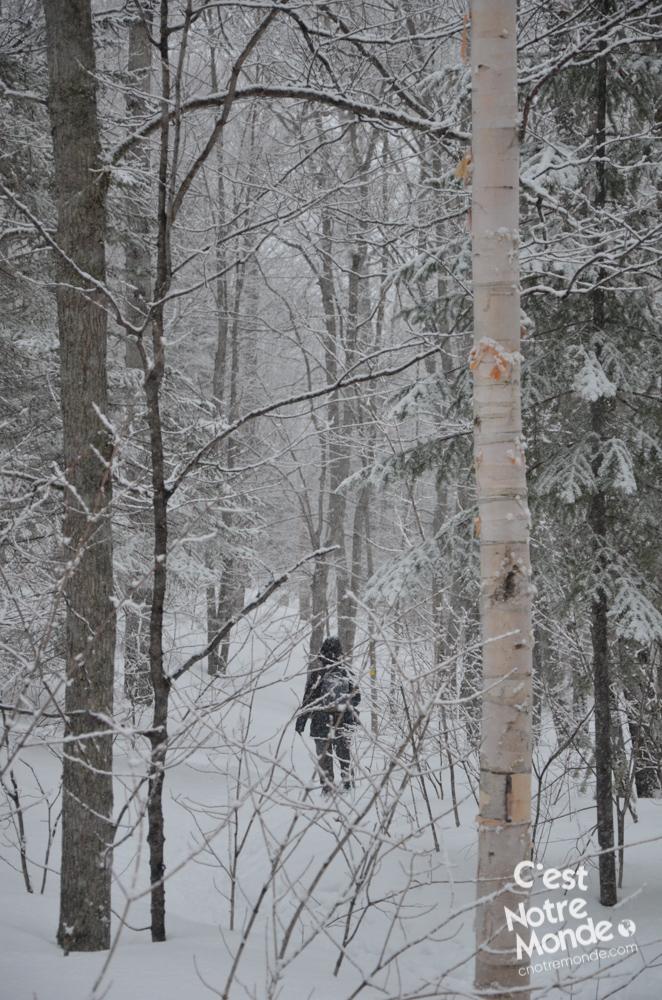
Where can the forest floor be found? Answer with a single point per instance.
(415, 938)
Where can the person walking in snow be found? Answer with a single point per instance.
(330, 701)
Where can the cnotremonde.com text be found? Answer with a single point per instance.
(586, 934)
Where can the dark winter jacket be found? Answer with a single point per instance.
(322, 720)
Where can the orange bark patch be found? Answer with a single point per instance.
(477, 356)
(499, 367)
(477, 524)
(500, 363)
(464, 168)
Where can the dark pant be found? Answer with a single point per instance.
(325, 749)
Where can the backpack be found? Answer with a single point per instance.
(334, 693)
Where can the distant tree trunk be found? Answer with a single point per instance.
(229, 601)
(349, 604)
(213, 627)
(137, 686)
(138, 261)
(214, 660)
(222, 295)
(503, 521)
(138, 279)
(154, 372)
(372, 649)
(337, 443)
(305, 608)
(319, 610)
(230, 591)
(348, 578)
(80, 194)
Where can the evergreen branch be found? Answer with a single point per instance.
(595, 38)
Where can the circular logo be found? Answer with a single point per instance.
(626, 928)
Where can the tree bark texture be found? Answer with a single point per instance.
(338, 446)
(602, 683)
(160, 681)
(642, 695)
(154, 372)
(603, 743)
(347, 580)
(503, 521)
(138, 279)
(80, 194)
(230, 600)
(319, 608)
(230, 590)
(138, 261)
(137, 684)
(598, 522)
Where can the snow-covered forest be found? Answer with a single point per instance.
(328, 318)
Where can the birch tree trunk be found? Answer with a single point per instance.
(80, 194)
(503, 521)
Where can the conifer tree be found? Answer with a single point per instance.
(589, 262)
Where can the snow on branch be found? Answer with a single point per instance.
(369, 112)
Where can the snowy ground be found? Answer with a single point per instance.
(410, 931)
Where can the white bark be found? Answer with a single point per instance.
(503, 524)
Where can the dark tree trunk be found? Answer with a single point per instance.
(213, 627)
(603, 749)
(154, 371)
(160, 681)
(80, 194)
(599, 606)
(138, 278)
